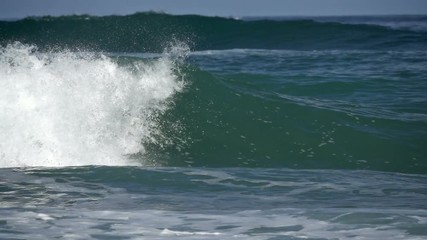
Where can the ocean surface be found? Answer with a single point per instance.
(153, 126)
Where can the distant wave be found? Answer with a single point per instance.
(417, 23)
(150, 32)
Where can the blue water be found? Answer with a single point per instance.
(152, 126)
(198, 203)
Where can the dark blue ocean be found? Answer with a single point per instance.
(154, 126)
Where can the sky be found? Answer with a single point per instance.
(235, 8)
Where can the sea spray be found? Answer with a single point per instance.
(77, 108)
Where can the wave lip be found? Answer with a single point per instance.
(74, 108)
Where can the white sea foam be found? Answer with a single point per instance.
(70, 109)
(168, 232)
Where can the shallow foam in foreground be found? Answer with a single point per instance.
(70, 109)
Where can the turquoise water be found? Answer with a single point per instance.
(152, 126)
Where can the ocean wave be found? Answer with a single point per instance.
(150, 32)
(346, 109)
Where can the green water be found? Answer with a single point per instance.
(152, 126)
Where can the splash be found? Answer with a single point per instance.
(71, 109)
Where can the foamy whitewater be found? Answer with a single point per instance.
(154, 126)
(70, 109)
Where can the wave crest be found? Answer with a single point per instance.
(75, 108)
